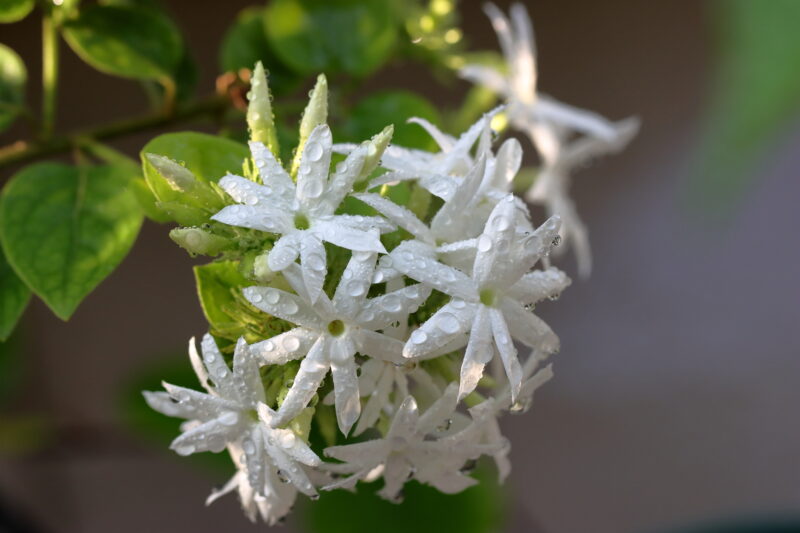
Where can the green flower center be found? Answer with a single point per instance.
(301, 221)
(252, 415)
(488, 297)
(336, 328)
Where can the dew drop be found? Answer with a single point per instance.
(269, 346)
(313, 151)
(288, 440)
(229, 418)
(291, 343)
(315, 262)
(186, 449)
(484, 243)
(313, 189)
(273, 296)
(448, 323)
(391, 303)
(356, 288)
(290, 307)
(256, 297)
(419, 336)
(458, 304)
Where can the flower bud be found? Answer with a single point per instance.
(375, 148)
(198, 241)
(176, 175)
(260, 119)
(315, 113)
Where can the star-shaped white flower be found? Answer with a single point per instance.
(409, 451)
(303, 213)
(232, 414)
(492, 303)
(551, 188)
(526, 107)
(272, 504)
(330, 332)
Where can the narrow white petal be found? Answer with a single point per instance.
(508, 353)
(246, 377)
(479, 352)
(254, 217)
(272, 173)
(399, 215)
(444, 140)
(313, 262)
(366, 223)
(495, 243)
(282, 304)
(395, 306)
(315, 162)
(380, 346)
(448, 325)
(284, 252)
(288, 346)
(535, 286)
(441, 277)
(581, 120)
(354, 284)
(218, 370)
(377, 398)
(346, 237)
(487, 76)
(245, 191)
(528, 328)
(345, 383)
(312, 371)
(396, 472)
(442, 409)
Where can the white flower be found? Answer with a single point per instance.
(330, 332)
(526, 107)
(409, 451)
(232, 414)
(303, 214)
(547, 122)
(551, 187)
(275, 501)
(492, 303)
(433, 171)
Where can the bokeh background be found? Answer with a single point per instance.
(677, 388)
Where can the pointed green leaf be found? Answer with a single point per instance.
(14, 10)
(12, 86)
(14, 297)
(126, 41)
(64, 229)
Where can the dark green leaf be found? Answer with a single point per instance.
(756, 93)
(245, 43)
(14, 297)
(126, 41)
(64, 229)
(378, 110)
(313, 36)
(14, 10)
(478, 509)
(12, 86)
(216, 283)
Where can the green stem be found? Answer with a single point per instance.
(22, 151)
(49, 73)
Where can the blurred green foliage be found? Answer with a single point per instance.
(755, 94)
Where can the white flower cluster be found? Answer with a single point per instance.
(419, 330)
(550, 125)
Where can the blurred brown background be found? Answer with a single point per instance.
(677, 388)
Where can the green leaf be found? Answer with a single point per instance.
(245, 44)
(216, 286)
(126, 41)
(14, 10)
(14, 297)
(756, 93)
(12, 86)
(380, 109)
(64, 229)
(478, 509)
(313, 36)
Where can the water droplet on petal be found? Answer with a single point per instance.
(256, 297)
(391, 303)
(356, 288)
(186, 449)
(248, 447)
(291, 343)
(313, 151)
(273, 296)
(484, 243)
(419, 336)
(290, 307)
(458, 304)
(448, 323)
(288, 439)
